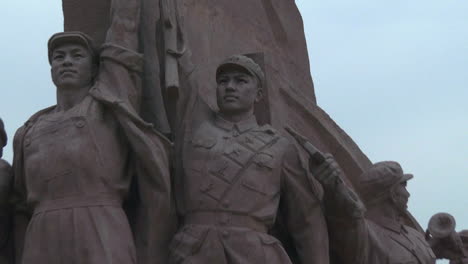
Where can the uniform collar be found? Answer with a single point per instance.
(390, 224)
(241, 126)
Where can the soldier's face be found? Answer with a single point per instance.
(72, 66)
(237, 92)
(400, 196)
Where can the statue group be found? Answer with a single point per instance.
(172, 148)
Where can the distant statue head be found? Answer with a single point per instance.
(239, 85)
(3, 137)
(384, 184)
(73, 59)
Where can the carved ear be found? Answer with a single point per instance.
(259, 96)
(392, 196)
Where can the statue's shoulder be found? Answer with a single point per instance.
(268, 134)
(267, 130)
(38, 114)
(276, 138)
(415, 233)
(20, 132)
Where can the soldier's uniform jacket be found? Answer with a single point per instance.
(398, 244)
(73, 173)
(382, 241)
(233, 181)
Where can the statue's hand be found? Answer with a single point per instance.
(328, 173)
(341, 200)
(445, 248)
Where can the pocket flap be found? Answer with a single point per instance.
(264, 160)
(207, 143)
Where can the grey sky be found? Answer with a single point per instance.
(392, 74)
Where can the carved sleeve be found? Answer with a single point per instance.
(119, 79)
(124, 23)
(119, 75)
(352, 238)
(301, 209)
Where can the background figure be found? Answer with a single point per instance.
(445, 241)
(378, 235)
(80, 163)
(5, 210)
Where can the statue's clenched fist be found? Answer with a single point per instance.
(328, 173)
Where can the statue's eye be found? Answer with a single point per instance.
(242, 80)
(58, 57)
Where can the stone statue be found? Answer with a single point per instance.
(5, 211)
(91, 179)
(378, 235)
(274, 30)
(235, 179)
(445, 241)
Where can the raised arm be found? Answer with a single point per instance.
(301, 210)
(124, 24)
(351, 236)
(119, 76)
(348, 230)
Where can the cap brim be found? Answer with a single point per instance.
(407, 177)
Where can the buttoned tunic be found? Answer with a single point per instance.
(233, 182)
(383, 241)
(74, 171)
(399, 243)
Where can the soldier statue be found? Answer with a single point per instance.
(374, 233)
(5, 211)
(235, 179)
(88, 171)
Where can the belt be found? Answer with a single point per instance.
(77, 202)
(224, 219)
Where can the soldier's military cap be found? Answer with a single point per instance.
(245, 62)
(71, 37)
(380, 179)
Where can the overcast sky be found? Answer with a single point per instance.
(392, 74)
